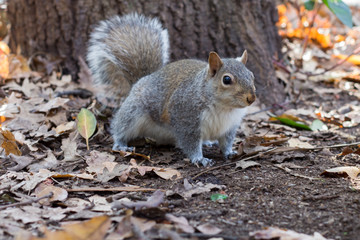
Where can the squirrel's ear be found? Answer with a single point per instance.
(215, 63)
(243, 58)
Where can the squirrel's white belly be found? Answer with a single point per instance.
(216, 121)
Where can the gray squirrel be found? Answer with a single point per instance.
(184, 103)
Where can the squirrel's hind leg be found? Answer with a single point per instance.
(127, 124)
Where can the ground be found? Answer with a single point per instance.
(52, 185)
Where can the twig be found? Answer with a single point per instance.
(207, 236)
(294, 174)
(281, 66)
(229, 164)
(276, 150)
(334, 146)
(306, 40)
(115, 189)
(27, 202)
(309, 74)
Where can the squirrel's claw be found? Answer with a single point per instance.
(230, 155)
(206, 162)
(122, 147)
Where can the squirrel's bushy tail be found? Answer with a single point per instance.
(124, 49)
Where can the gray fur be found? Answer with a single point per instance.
(187, 101)
(184, 103)
(123, 49)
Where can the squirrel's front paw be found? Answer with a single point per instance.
(230, 155)
(122, 147)
(206, 162)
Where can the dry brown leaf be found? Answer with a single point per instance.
(52, 104)
(69, 146)
(59, 194)
(8, 143)
(283, 234)
(188, 190)
(246, 164)
(180, 223)
(209, 229)
(128, 224)
(296, 143)
(49, 162)
(168, 173)
(65, 127)
(96, 160)
(22, 162)
(93, 229)
(154, 201)
(100, 204)
(347, 171)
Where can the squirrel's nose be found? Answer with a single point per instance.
(251, 98)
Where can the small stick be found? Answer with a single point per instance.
(207, 236)
(356, 51)
(311, 25)
(228, 164)
(27, 202)
(280, 150)
(294, 174)
(115, 189)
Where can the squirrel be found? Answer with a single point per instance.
(185, 103)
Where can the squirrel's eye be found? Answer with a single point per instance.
(226, 80)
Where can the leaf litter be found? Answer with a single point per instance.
(59, 187)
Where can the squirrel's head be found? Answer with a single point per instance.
(233, 82)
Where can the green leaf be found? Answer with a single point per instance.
(309, 5)
(86, 124)
(341, 10)
(293, 124)
(318, 125)
(218, 196)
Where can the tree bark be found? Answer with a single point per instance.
(196, 27)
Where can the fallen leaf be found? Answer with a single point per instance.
(22, 162)
(283, 234)
(193, 189)
(92, 229)
(66, 127)
(348, 150)
(318, 125)
(296, 143)
(52, 104)
(246, 164)
(86, 123)
(69, 146)
(8, 143)
(355, 59)
(154, 201)
(208, 229)
(59, 194)
(167, 173)
(347, 171)
(100, 204)
(180, 223)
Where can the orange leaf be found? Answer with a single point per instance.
(355, 59)
(8, 143)
(92, 229)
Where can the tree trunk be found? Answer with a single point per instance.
(196, 27)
